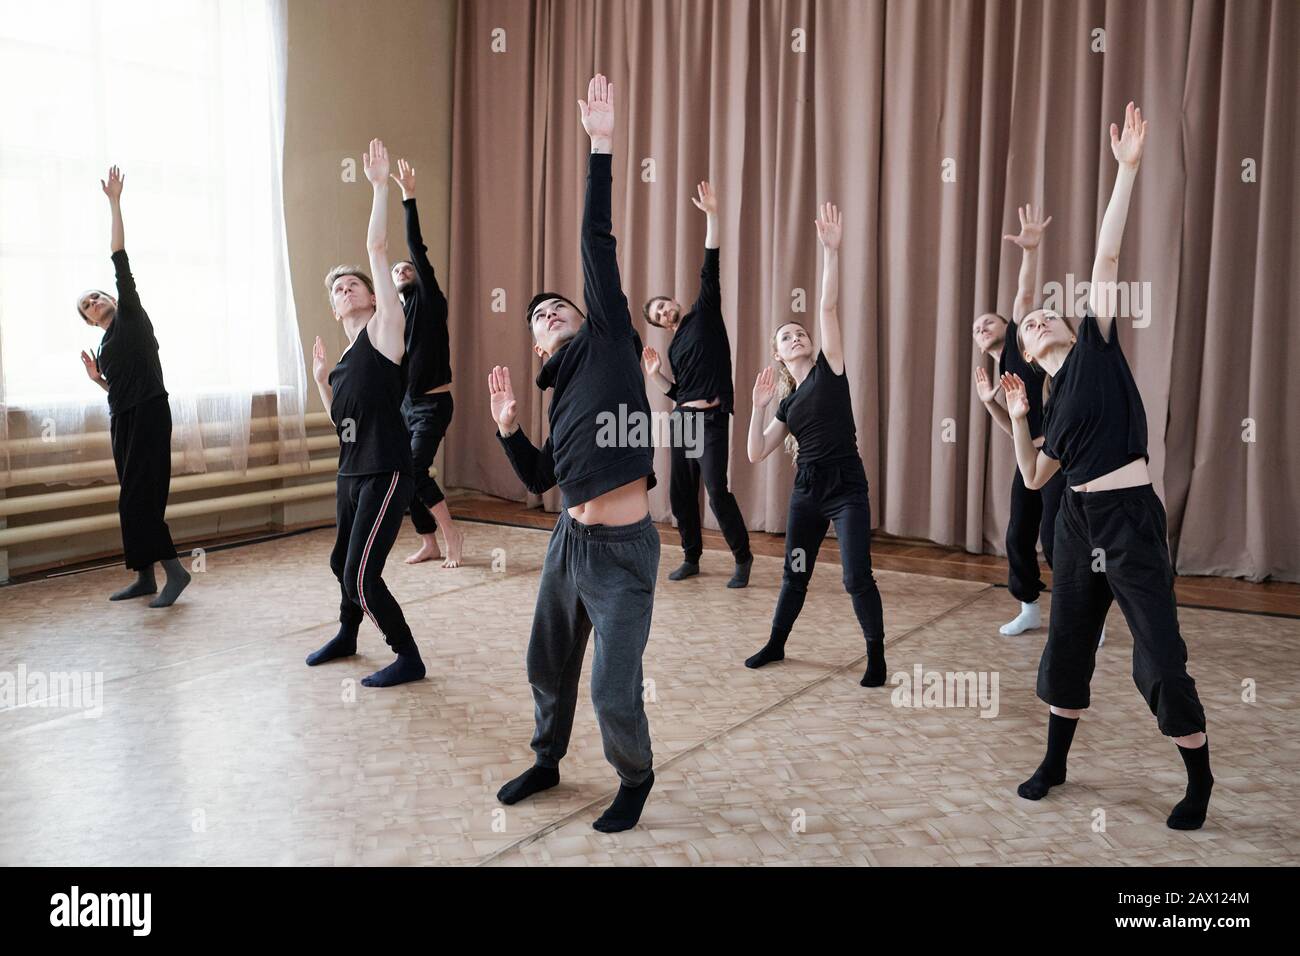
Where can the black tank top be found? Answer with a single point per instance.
(367, 411)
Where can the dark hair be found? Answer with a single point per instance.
(542, 297)
(400, 262)
(645, 309)
(339, 272)
(84, 317)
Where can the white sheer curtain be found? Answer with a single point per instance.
(187, 97)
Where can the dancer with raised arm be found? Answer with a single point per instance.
(814, 420)
(363, 393)
(427, 405)
(1032, 514)
(1111, 537)
(700, 360)
(127, 367)
(603, 559)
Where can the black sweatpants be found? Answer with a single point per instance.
(1113, 545)
(142, 454)
(602, 576)
(822, 493)
(369, 510)
(427, 418)
(1033, 519)
(711, 443)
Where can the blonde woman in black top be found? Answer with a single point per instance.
(1111, 537)
(830, 484)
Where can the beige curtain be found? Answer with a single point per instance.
(868, 103)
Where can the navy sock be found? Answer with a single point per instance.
(773, 650)
(406, 668)
(342, 644)
(625, 811)
(177, 580)
(740, 577)
(688, 570)
(876, 671)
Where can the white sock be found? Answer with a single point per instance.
(1028, 619)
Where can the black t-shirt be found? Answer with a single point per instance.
(1013, 361)
(598, 392)
(128, 352)
(428, 350)
(700, 353)
(367, 411)
(819, 414)
(1094, 420)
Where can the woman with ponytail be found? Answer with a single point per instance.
(814, 421)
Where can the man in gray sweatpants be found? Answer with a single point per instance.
(603, 559)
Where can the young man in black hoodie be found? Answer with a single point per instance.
(603, 559)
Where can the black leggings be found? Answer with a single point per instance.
(1112, 545)
(826, 492)
(142, 454)
(369, 510)
(427, 418)
(711, 465)
(1033, 519)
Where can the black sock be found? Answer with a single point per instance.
(688, 570)
(1189, 814)
(406, 668)
(740, 577)
(143, 584)
(773, 650)
(342, 644)
(625, 811)
(531, 781)
(875, 674)
(1060, 732)
(177, 579)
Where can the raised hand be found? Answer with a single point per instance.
(1127, 146)
(92, 369)
(598, 111)
(319, 363)
(375, 163)
(987, 390)
(1017, 397)
(1032, 225)
(765, 387)
(708, 199)
(650, 360)
(504, 406)
(405, 177)
(113, 187)
(828, 225)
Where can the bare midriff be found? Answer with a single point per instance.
(626, 504)
(1133, 475)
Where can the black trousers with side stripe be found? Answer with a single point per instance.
(369, 509)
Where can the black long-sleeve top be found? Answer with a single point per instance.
(700, 353)
(428, 349)
(128, 352)
(598, 392)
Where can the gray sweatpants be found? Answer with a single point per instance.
(602, 576)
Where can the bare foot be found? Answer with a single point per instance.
(455, 539)
(428, 550)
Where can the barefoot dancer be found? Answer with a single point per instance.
(428, 405)
(1096, 433)
(603, 559)
(1033, 513)
(140, 420)
(364, 396)
(830, 484)
(700, 356)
